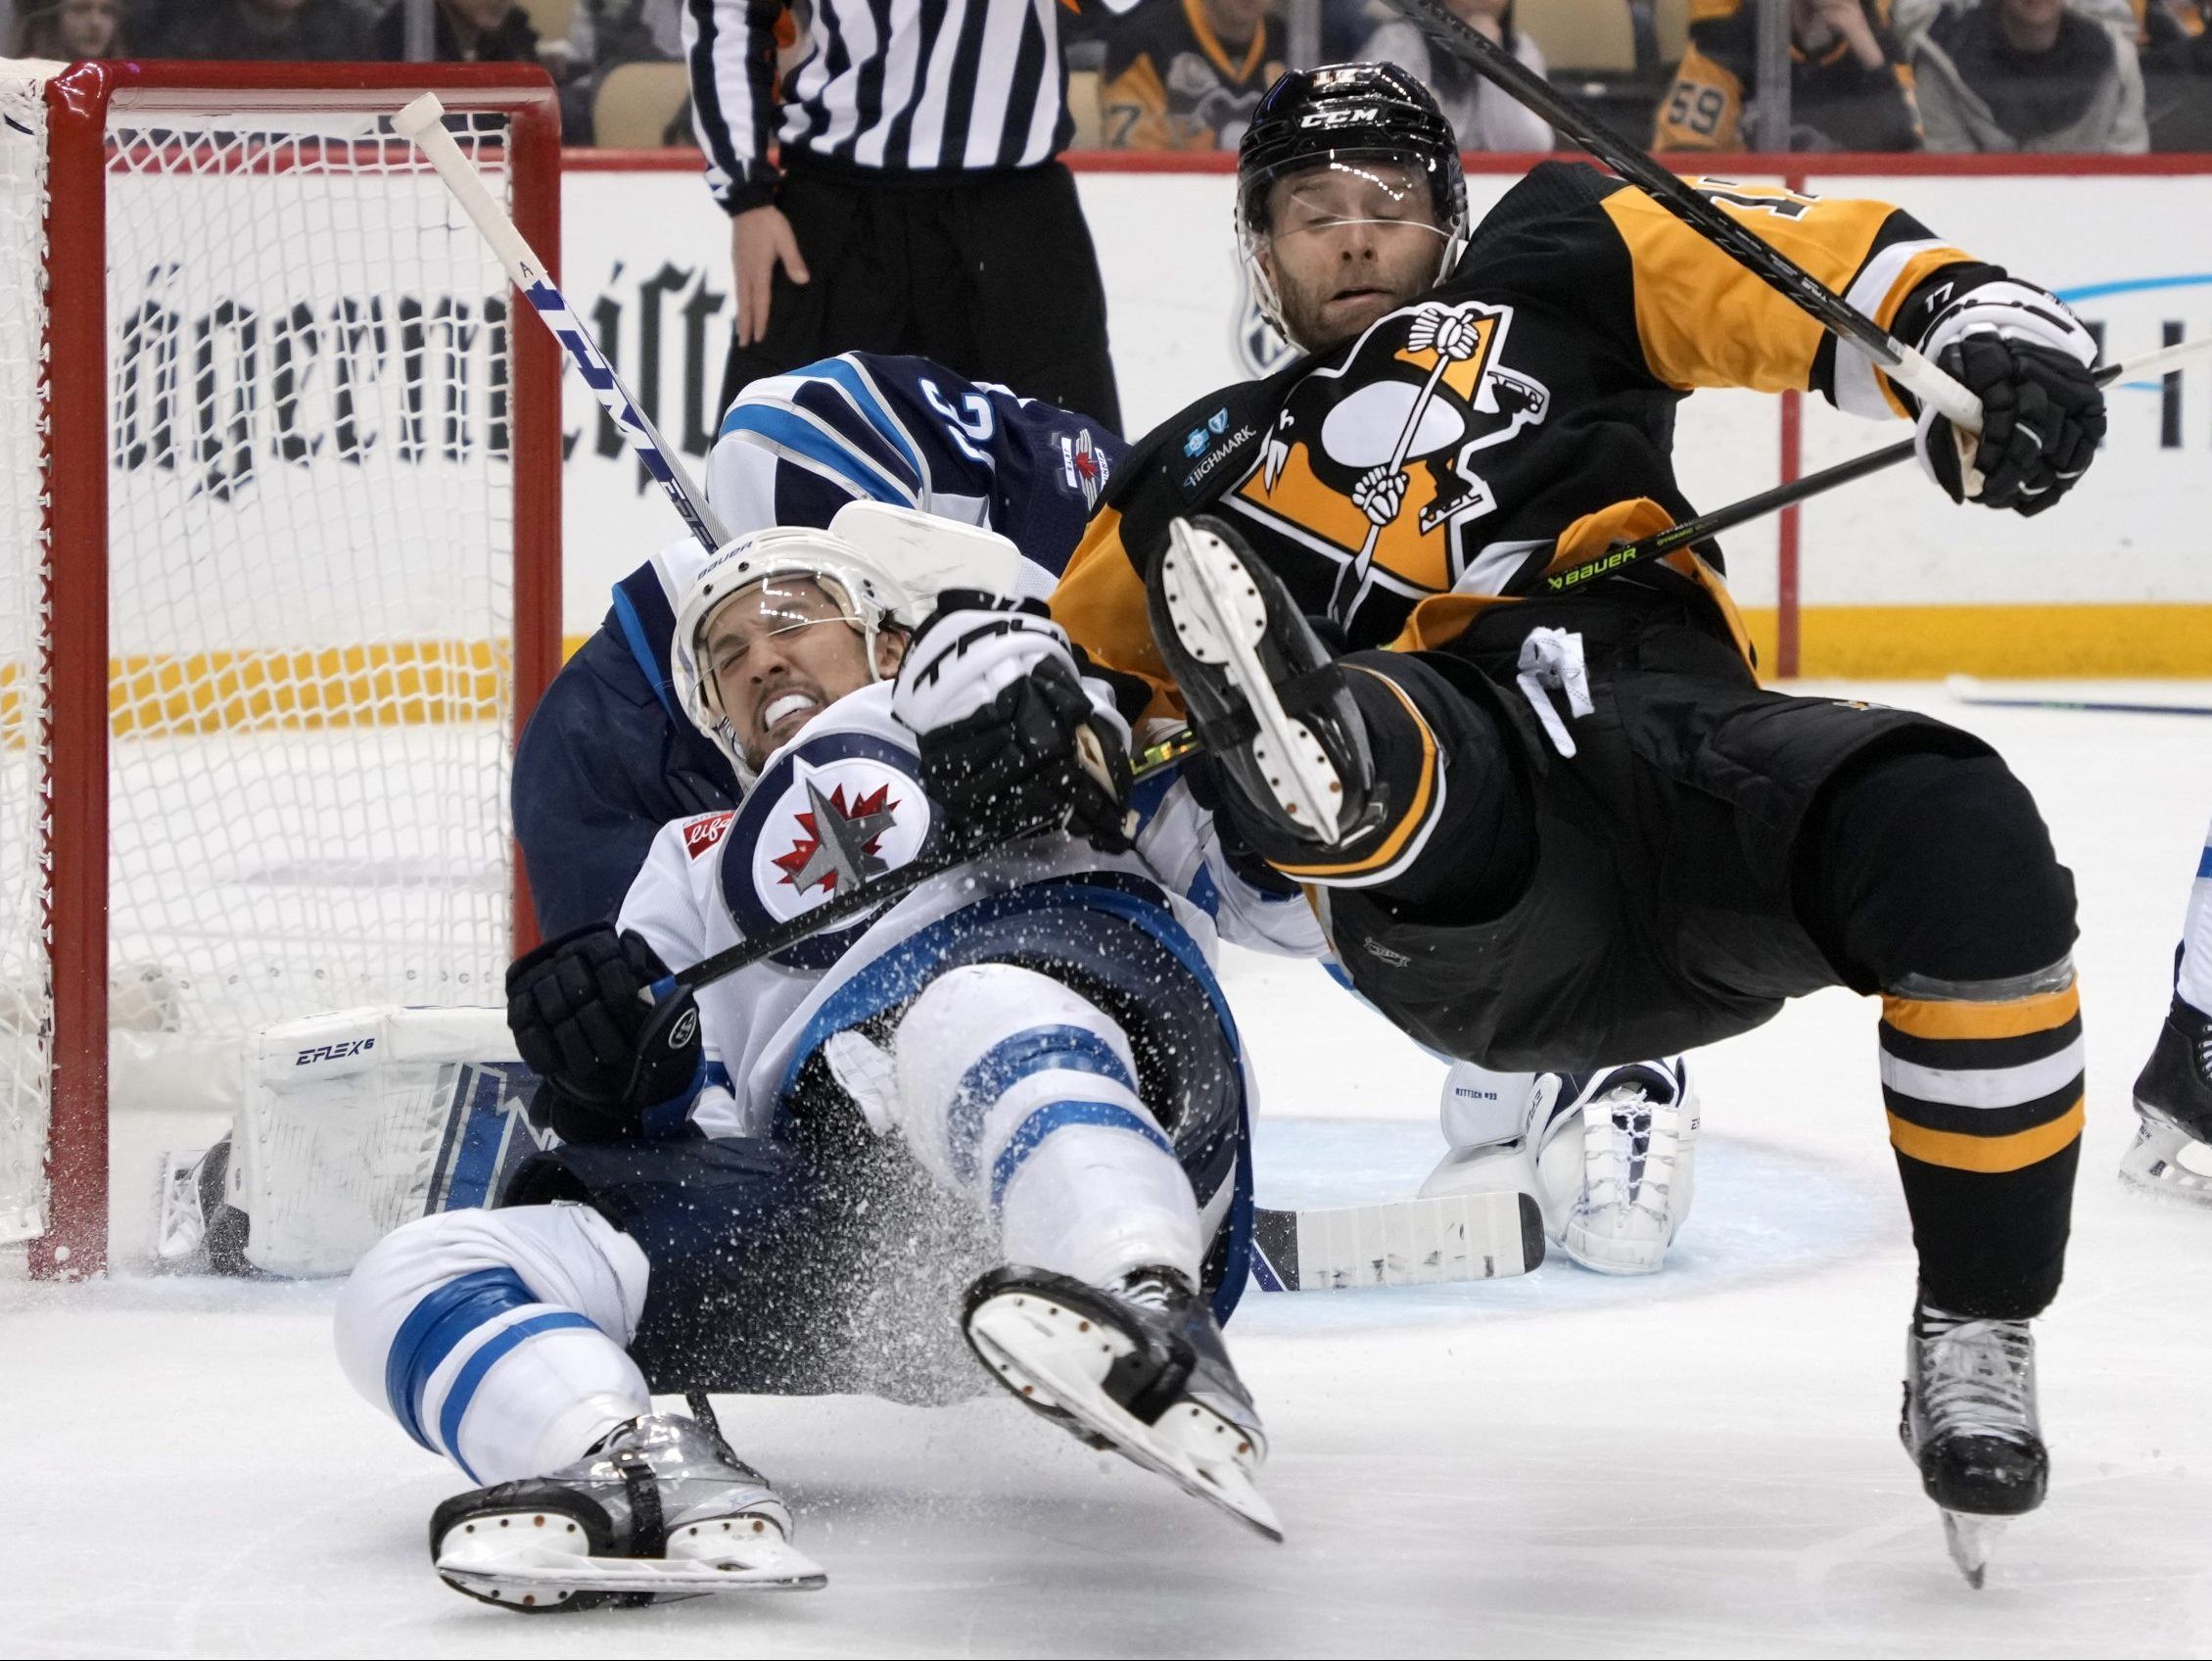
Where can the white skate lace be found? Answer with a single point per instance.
(1977, 1377)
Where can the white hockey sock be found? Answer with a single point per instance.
(2194, 981)
(1090, 1188)
(491, 1335)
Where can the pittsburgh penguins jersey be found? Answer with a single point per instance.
(1519, 414)
(842, 803)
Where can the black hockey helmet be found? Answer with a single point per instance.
(1350, 113)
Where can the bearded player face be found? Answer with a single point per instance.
(1345, 243)
(781, 652)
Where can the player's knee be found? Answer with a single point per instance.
(987, 1044)
(1935, 867)
(567, 1256)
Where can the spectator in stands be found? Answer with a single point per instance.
(2028, 74)
(603, 35)
(1184, 74)
(2175, 52)
(464, 31)
(266, 30)
(1848, 86)
(70, 29)
(1484, 115)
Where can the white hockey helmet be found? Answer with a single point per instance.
(883, 566)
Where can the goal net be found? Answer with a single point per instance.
(278, 573)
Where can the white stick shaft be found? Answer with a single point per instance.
(423, 121)
(1933, 387)
(2164, 359)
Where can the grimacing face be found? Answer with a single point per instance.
(1345, 243)
(781, 651)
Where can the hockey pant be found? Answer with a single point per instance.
(1710, 850)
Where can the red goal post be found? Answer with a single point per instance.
(236, 605)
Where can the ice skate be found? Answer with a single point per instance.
(1262, 690)
(1140, 1371)
(1969, 1423)
(659, 1511)
(2172, 1154)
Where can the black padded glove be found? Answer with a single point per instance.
(607, 1056)
(2029, 360)
(1012, 743)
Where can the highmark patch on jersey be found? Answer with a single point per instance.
(830, 813)
(1374, 459)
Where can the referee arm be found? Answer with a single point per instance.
(730, 49)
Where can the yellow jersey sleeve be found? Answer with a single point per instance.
(1100, 604)
(1705, 320)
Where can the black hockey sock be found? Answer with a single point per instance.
(1931, 879)
(1457, 840)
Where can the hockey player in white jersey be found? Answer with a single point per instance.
(2172, 1154)
(1023, 1067)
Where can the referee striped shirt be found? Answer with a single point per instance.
(891, 86)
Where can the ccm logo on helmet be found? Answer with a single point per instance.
(681, 1032)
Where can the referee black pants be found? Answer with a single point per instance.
(993, 276)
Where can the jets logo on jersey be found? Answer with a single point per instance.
(1372, 460)
(1082, 469)
(830, 815)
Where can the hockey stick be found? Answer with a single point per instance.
(1659, 543)
(1966, 690)
(423, 121)
(1471, 47)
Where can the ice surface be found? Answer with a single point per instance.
(1701, 1463)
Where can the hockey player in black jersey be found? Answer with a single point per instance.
(1567, 832)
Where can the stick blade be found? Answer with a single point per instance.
(1460, 1237)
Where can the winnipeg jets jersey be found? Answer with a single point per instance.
(608, 758)
(842, 803)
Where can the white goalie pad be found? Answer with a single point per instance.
(355, 1122)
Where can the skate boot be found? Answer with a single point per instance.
(659, 1510)
(1140, 1369)
(2173, 1148)
(1263, 691)
(1969, 1423)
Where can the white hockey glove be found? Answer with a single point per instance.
(1378, 492)
(1452, 335)
(1014, 739)
(2029, 360)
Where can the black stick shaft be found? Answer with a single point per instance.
(1738, 241)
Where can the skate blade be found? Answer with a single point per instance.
(2167, 1163)
(1970, 1538)
(1034, 1361)
(1220, 618)
(538, 1574)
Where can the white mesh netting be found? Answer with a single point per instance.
(26, 1000)
(310, 572)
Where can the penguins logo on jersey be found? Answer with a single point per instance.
(1374, 456)
(832, 813)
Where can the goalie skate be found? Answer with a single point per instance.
(1151, 1383)
(1262, 690)
(1970, 1424)
(2171, 1153)
(661, 1510)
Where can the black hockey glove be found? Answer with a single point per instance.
(2030, 361)
(608, 1059)
(1013, 743)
